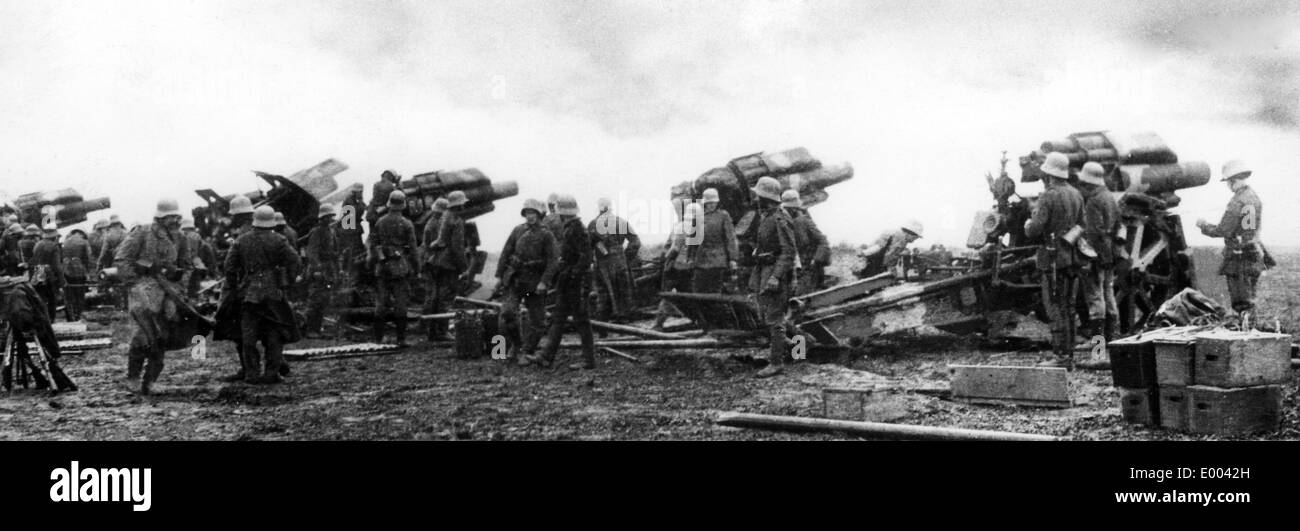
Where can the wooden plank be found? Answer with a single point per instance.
(879, 430)
(1034, 386)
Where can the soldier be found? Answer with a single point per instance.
(613, 278)
(714, 250)
(153, 261)
(351, 244)
(46, 265)
(96, 241)
(1058, 211)
(322, 269)
(76, 270)
(259, 264)
(569, 278)
(530, 255)
(114, 235)
(11, 258)
(814, 250)
(203, 256)
(449, 262)
(387, 183)
(31, 235)
(391, 251)
(884, 254)
(772, 277)
(427, 237)
(282, 228)
(1101, 223)
(552, 221)
(676, 271)
(1244, 257)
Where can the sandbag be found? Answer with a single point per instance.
(1188, 307)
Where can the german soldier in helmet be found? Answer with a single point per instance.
(259, 265)
(773, 275)
(1244, 257)
(529, 256)
(1059, 212)
(322, 268)
(569, 278)
(391, 251)
(449, 261)
(616, 245)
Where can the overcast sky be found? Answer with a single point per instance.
(138, 100)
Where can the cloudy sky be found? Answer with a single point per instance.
(138, 100)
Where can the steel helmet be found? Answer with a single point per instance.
(114, 220)
(326, 210)
(32, 230)
(440, 204)
(768, 188)
(241, 205)
(710, 196)
(1057, 165)
(790, 198)
(551, 199)
(602, 204)
(187, 224)
(51, 230)
(14, 228)
(167, 207)
(397, 199)
(456, 199)
(1093, 173)
(914, 227)
(101, 224)
(566, 205)
(534, 205)
(1236, 169)
(264, 217)
(279, 220)
(391, 175)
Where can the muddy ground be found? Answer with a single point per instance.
(424, 393)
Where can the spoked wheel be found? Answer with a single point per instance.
(1139, 293)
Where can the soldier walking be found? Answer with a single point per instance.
(814, 251)
(47, 269)
(616, 246)
(772, 276)
(260, 263)
(714, 249)
(391, 251)
(530, 255)
(569, 278)
(1101, 224)
(76, 270)
(1058, 211)
(322, 269)
(1244, 256)
(449, 262)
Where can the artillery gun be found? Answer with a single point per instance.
(996, 290)
(64, 207)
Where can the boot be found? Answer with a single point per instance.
(776, 354)
(1085, 332)
(379, 330)
(401, 334)
(1109, 328)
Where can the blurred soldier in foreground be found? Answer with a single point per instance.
(772, 276)
(392, 253)
(569, 278)
(529, 256)
(1244, 257)
(616, 246)
(322, 269)
(1101, 223)
(260, 264)
(47, 269)
(814, 251)
(676, 271)
(714, 250)
(76, 270)
(1057, 214)
(449, 262)
(153, 261)
(884, 254)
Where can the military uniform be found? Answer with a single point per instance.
(77, 266)
(114, 235)
(46, 265)
(1059, 209)
(379, 200)
(150, 256)
(1243, 256)
(1101, 222)
(96, 241)
(713, 251)
(773, 275)
(814, 251)
(613, 279)
(11, 258)
(531, 254)
(553, 223)
(260, 263)
(448, 263)
(676, 271)
(392, 252)
(204, 261)
(322, 272)
(351, 244)
(891, 245)
(569, 278)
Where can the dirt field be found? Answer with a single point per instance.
(424, 393)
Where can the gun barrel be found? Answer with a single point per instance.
(1161, 178)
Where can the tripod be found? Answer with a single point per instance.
(21, 367)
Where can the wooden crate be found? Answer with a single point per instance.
(992, 384)
(1242, 359)
(1173, 407)
(1234, 411)
(1140, 406)
(845, 404)
(1175, 361)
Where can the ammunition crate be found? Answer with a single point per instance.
(1175, 362)
(1173, 407)
(1242, 359)
(1140, 406)
(1234, 411)
(1132, 363)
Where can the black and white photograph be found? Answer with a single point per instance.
(1041, 221)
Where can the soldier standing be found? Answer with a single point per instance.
(351, 245)
(96, 241)
(772, 276)
(114, 235)
(10, 254)
(388, 182)
(259, 264)
(616, 246)
(814, 250)
(1101, 223)
(391, 251)
(204, 257)
(427, 237)
(1058, 211)
(152, 261)
(885, 252)
(76, 269)
(676, 271)
(229, 315)
(322, 269)
(47, 269)
(569, 278)
(1244, 257)
(714, 250)
(530, 255)
(552, 221)
(282, 228)
(31, 235)
(449, 262)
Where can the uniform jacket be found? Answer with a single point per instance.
(1240, 226)
(678, 256)
(430, 235)
(532, 251)
(76, 258)
(379, 199)
(553, 223)
(575, 252)
(774, 249)
(48, 256)
(1059, 209)
(322, 251)
(392, 243)
(1101, 222)
(261, 264)
(96, 245)
(716, 246)
(167, 252)
(449, 248)
(113, 237)
(609, 233)
(809, 240)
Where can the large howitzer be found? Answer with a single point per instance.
(297, 196)
(998, 294)
(64, 207)
(423, 189)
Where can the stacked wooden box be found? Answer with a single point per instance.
(1206, 382)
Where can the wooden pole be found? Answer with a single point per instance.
(877, 430)
(599, 325)
(613, 352)
(665, 344)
